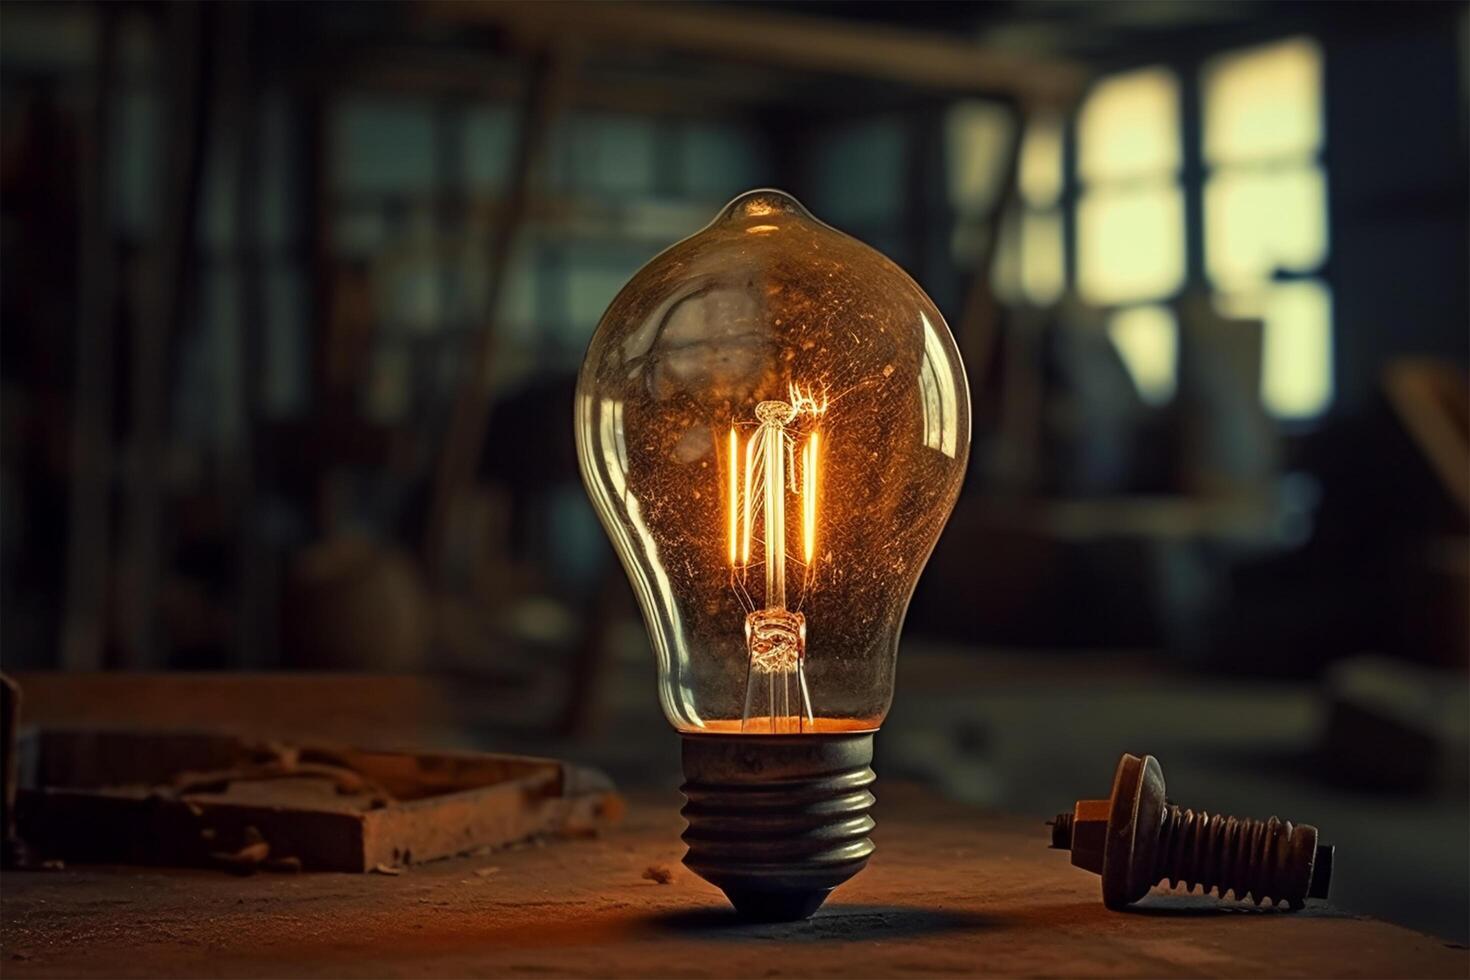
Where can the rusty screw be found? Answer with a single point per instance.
(1136, 838)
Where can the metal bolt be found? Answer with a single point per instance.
(1136, 838)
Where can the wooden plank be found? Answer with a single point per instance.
(797, 42)
(950, 891)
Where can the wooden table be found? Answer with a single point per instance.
(950, 891)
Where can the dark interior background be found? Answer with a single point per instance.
(293, 297)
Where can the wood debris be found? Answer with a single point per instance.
(658, 874)
(185, 798)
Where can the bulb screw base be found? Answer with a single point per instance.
(776, 821)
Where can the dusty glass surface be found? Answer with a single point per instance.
(773, 422)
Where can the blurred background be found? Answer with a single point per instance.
(293, 297)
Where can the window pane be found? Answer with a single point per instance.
(603, 154)
(1263, 103)
(1147, 339)
(588, 278)
(1041, 256)
(966, 240)
(1005, 270)
(209, 396)
(1129, 126)
(520, 311)
(281, 212)
(1259, 221)
(720, 160)
(975, 138)
(136, 144)
(286, 341)
(383, 146)
(1130, 244)
(623, 152)
(489, 146)
(388, 394)
(359, 232)
(857, 172)
(1041, 162)
(1296, 364)
(590, 287)
(218, 228)
(409, 292)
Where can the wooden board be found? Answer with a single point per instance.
(950, 891)
(176, 798)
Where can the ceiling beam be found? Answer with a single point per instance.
(793, 42)
(400, 69)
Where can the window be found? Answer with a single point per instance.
(614, 189)
(1265, 205)
(1028, 264)
(1042, 272)
(1130, 219)
(1147, 339)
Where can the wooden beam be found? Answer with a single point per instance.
(395, 70)
(801, 43)
(1430, 399)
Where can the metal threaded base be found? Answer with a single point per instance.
(1262, 859)
(776, 821)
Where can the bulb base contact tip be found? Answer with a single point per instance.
(777, 822)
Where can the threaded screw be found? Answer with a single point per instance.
(1135, 839)
(1061, 832)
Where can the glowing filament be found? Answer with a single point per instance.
(756, 485)
(774, 438)
(809, 496)
(749, 499)
(764, 461)
(733, 495)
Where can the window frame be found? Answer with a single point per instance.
(1193, 173)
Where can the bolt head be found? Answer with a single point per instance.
(1089, 834)
(1135, 814)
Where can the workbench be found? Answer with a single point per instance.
(951, 890)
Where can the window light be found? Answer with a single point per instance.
(1147, 339)
(1264, 102)
(1129, 126)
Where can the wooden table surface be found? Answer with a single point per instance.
(951, 890)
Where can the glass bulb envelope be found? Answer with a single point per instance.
(773, 424)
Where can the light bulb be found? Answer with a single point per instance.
(772, 422)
